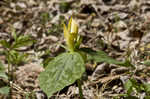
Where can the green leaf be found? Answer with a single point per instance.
(2, 67)
(147, 62)
(128, 86)
(16, 58)
(131, 97)
(78, 42)
(3, 75)
(24, 40)
(2, 71)
(62, 71)
(147, 87)
(4, 90)
(5, 44)
(14, 34)
(101, 56)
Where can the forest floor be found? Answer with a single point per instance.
(120, 28)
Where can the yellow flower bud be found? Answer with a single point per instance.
(70, 33)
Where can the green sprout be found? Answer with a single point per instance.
(14, 58)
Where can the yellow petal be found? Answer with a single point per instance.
(69, 24)
(74, 27)
(66, 33)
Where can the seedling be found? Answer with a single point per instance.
(135, 89)
(13, 57)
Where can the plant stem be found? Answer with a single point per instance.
(80, 88)
(9, 71)
(9, 78)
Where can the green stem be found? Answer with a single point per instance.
(9, 71)
(80, 88)
(9, 78)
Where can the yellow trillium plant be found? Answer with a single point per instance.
(67, 68)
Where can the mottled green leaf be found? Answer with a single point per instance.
(101, 56)
(62, 71)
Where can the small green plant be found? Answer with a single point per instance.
(133, 87)
(68, 67)
(14, 57)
